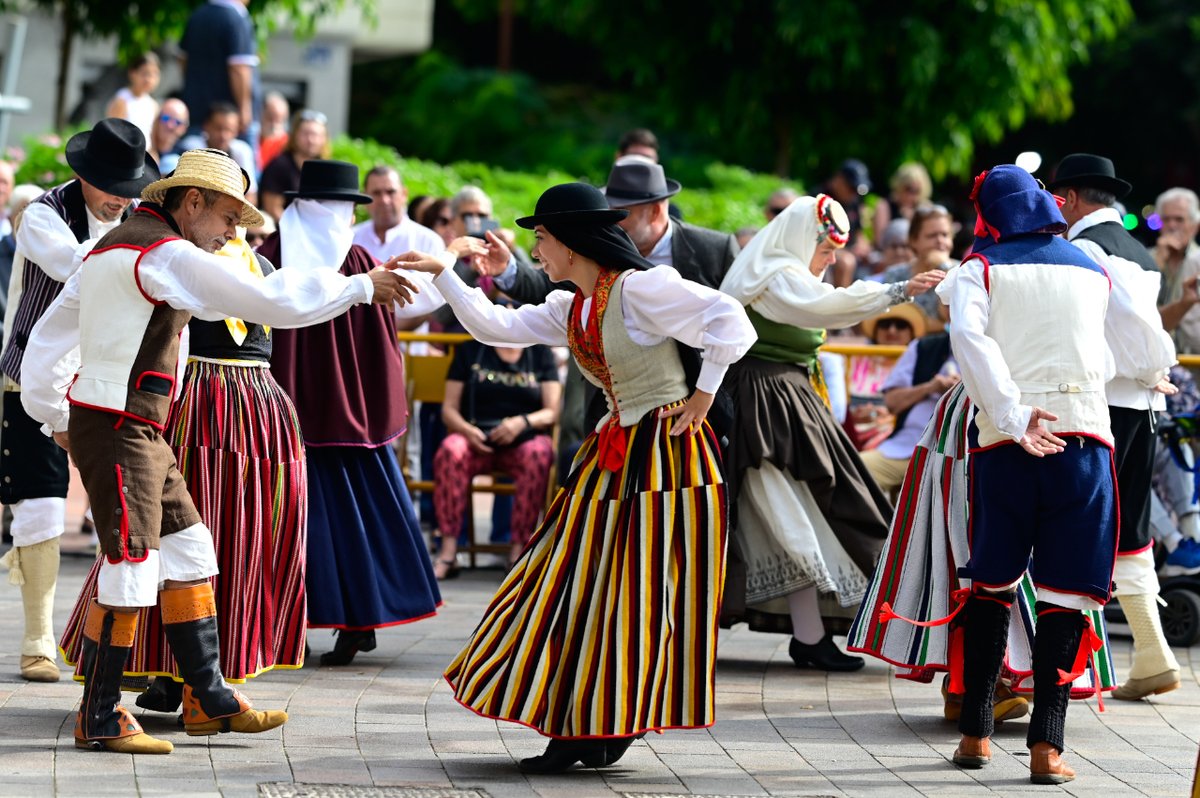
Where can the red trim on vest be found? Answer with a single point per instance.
(98, 250)
(155, 214)
(137, 266)
(168, 377)
(987, 273)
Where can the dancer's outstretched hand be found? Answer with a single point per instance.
(689, 415)
(923, 282)
(417, 262)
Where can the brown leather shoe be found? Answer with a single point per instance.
(1046, 765)
(973, 752)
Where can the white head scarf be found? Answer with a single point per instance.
(788, 242)
(315, 234)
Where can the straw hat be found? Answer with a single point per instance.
(210, 169)
(906, 312)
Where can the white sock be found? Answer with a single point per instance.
(1189, 525)
(807, 626)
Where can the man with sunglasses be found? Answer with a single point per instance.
(776, 203)
(165, 133)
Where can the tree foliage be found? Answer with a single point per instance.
(796, 85)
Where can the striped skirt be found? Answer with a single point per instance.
(237, 442)
(607, 625)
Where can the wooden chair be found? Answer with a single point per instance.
(425, 381)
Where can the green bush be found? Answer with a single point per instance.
(735, 199)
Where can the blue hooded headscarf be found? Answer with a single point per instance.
(1011, 202)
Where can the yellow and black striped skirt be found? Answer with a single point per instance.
(607, 625)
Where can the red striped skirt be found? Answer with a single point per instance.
(237, 441)
(607, 625)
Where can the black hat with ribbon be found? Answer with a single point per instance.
(1081, 170)
(112, 157)
(329, 180)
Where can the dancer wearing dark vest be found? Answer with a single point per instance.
(126, 311)
(111, 168)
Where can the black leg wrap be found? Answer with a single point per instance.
(103, 667)
(1055, 646)
(197, 649)
(985, 639)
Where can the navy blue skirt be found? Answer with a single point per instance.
(367, 564)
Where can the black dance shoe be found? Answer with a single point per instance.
(615, 747)
(163, 695)
(348, 644)
(823, 655)
(560, 755)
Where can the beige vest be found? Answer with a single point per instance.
(644, 378)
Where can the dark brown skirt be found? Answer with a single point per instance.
(782, 421)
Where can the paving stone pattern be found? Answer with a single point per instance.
(388, 726)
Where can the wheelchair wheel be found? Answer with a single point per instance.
(1181, 617)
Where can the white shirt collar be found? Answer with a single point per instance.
(661, 254)
(1092, 219)
(96, 227)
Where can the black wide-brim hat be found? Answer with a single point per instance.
(572, 203)
(1082, 170)
(112, 157)
(329, 180)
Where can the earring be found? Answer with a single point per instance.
(570, 257)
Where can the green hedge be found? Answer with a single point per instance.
(734, 199)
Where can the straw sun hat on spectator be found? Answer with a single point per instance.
(208, 169)
(906, 312)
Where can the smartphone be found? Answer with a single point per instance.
(478, 227)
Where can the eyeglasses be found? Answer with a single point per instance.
(773, 212)
(255, 238)
(309, 115)
(443, 220)
(172, 121)
(892, 324)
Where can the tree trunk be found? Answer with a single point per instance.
(504, 34)
(783, 143)
(64, 64)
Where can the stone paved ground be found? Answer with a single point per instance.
(388, 722)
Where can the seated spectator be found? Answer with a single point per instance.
(869, 420)
(1178, 258)
(893, 249)
(437, 216)
(638, 141)
(273, 136)
(499, 408)
(165, 133)
(220, 133)
(257, 235)
(911, 189)
(930, 234)
(779, 199)
(1174, 509)
(308, 139)
(923, 373)
(135, 102)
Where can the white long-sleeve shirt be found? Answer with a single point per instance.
(657, 304)
(801, 300)
(210, 287)
(1142, 350)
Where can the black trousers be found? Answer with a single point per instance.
(1134, 456)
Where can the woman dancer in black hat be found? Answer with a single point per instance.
(606, 626)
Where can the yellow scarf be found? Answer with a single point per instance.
(238, 248)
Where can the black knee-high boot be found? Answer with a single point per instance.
(102, 723)
(985, 638)
(1055, 646)
(210, 705)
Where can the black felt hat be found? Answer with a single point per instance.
(112, 157)
(329, 180)
(1082, 170)
(572, 203)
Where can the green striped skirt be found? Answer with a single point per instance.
(607, 624)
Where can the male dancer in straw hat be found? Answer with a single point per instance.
(126, 311)
(1143, 351)
(111, 167)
